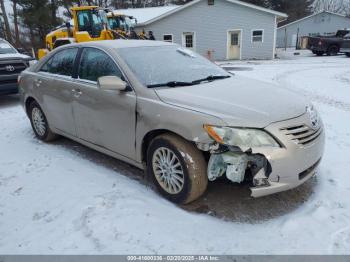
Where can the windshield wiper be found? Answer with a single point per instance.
(172, 84)
(209, 78)
(195, 82)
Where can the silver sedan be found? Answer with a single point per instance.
(168, 110)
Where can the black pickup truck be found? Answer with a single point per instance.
(345, 47)
(330, 45)
(12, 63)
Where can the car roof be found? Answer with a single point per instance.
(116, 44)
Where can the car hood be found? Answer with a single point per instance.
(14, 56)
(238, 101)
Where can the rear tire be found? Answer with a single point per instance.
(178, 169)
(333, 50)
(39, 123)
(347, 54)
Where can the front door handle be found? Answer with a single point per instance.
(77, 92)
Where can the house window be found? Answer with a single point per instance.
(188, 40)
(257, 36)
(168, 38)
(210, 2)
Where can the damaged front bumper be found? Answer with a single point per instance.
(273, 170)
(288, 182)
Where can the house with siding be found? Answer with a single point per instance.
(324, 23)
(218, 29)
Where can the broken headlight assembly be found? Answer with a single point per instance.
(241, 137)
(235, 163)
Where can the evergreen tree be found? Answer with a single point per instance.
(37, 16)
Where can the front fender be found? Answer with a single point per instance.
(156, 115)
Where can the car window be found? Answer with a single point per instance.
(96, 63)
(61, 63)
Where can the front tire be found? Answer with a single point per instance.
(347, 54)
(39, 123)
(178, 169)
(319, 53)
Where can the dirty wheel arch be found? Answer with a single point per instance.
(37, 115)
(192, 162)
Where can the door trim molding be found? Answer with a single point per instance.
(228, 42)
(100, 149)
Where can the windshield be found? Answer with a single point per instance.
(120, 23)
(102, 17)
(156, 65)
(342, 33)
(129, 23)
(6, 48)
(91, 21)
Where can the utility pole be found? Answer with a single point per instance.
(2, 30)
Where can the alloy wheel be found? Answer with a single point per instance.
(168, 170)
(39, 122)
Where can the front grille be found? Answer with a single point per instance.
(8, 81)
(17, 67)
(302, 134)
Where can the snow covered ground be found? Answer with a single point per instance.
(65, 198)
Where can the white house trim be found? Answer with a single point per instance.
(228, 39)
(263, 36)
(274, 40)
(183, 40)
(172, 38)
(276, 13)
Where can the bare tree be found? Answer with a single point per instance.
(335, 6)
(6, 21)
(15, 21)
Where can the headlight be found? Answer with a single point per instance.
(32, 62)
(241, 137)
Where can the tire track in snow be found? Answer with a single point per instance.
(282, 80)
(83, 224)
(340, 241)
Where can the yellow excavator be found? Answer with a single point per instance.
(90, 23)
(122, 25)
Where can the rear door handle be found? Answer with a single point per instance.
(77, 92)
(37, 82)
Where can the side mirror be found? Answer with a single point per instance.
(111, 83)
(20, 50)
